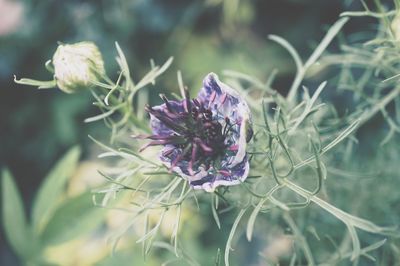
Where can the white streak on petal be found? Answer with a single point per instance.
(242, 143)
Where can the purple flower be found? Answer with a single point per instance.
(204, 138)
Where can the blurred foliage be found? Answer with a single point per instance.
(202, 36)
(198, 34)
(54, 218)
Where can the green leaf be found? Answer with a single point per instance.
(37, 83)
(75, 217)
(14, 219)
(228, 247)
(48, 197)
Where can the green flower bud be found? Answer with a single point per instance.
(77, 65)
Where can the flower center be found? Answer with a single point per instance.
(199, 136)
(203, 131)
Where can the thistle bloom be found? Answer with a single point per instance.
(204, 138)
(77, 65)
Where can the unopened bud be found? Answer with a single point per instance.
(77, 65)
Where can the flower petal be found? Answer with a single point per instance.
(220, 110)
(226, 177)
(227, 102)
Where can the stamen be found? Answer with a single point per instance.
(163, 140)
(141, 136)
(227, 123)
(170, 112)
(173, 115)
(153, 143)
(175, 162)
(198, 104)
(168, 121)
(225, 173)
(154, 137)
(204, 146)
(167, 153)
(228, 129)
(165, 99)
(148, 108)
(179, 157)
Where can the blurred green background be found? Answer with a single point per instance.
(37, 127)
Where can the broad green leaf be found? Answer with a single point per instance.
(14, 219)
(48, 197)
(75, 217)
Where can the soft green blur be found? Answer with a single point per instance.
(38, 127)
